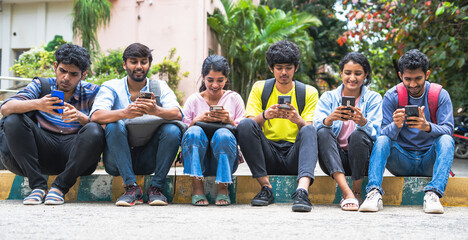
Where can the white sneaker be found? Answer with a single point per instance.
(432, 203)
(373, 202)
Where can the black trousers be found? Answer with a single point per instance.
(266, 157)
(354, 162)
(37, 151)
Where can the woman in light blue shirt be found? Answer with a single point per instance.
(346, 134)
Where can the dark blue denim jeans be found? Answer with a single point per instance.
(435, 162)
(155, 157)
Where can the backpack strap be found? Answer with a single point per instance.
(402, 95)
(300, 93)
(433, 100)
(267, 90)
(155, 87)
(45, 86)
(300, 96)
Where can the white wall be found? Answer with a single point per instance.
(27, 23)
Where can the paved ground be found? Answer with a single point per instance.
(183, 221)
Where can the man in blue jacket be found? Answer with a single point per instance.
(413, 145)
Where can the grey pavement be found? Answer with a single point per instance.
(183, 221)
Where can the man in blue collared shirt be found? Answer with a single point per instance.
(118, 100)
(413, 145)
(65, 143)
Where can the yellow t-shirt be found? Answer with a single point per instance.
(280, 129)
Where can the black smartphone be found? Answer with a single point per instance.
(348, 101)
(216, 107)
(59, 94)
(412, 111)
(282, 100)
(145, 95)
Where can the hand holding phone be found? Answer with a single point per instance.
(282, 100)
(61, 95)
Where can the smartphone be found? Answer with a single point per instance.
(282, 100)
(412, 111)
(145, 95)
(348, 101)
(216, 107)
(59, 94)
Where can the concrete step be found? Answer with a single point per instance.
(103, 187)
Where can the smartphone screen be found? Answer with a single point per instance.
(282, 100)
(59, 94)
(412, 110)
(216, 107)
(348, 101)
(145, 95)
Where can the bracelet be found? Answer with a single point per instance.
(263, 115)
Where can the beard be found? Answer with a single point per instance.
(137, 79)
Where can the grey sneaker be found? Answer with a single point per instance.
(373, 202)
(156, 197)
(432, 203)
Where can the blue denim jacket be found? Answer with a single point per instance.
(370, 104)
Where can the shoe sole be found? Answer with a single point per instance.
(53, 203)
(379, 207)
(433, 211)
(301, 208)
(157, 203)
(31, 203)
(126, 204)
(260, 203)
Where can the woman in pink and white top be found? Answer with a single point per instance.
(346, 135)
(217, 156)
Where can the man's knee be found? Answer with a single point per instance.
(382, 141)
(12, 122)
(170, 132)
(245, 125)
(115, 128)
(308, 131)
(445, 141)
(324, 132)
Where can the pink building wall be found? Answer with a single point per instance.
(162, 25)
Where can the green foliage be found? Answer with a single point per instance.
(107, 67)
(437, 28)
(55, 43)
(327, 50)
(35, 62)
(88, 16)
(245, 32)
(169, 70)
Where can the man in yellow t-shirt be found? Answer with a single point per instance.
(277, 139)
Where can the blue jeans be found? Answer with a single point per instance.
(155, 157)
(435, 162)
(208, 158)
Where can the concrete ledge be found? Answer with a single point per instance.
(103, 187)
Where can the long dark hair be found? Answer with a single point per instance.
(217, 64)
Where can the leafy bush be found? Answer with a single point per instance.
(107, 67)
(169, 70)
(55, 43)
(35, 62)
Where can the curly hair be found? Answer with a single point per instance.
(412, 60)
(217, 64)
(137, 50)
(283, 52)
(361, 60)
(73, 54)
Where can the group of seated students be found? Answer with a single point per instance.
(283, 130)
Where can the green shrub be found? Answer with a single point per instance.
(35, 62)
(107, 67)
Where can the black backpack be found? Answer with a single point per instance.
(300, 94)
(6, 159)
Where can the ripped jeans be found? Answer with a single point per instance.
(218, 157)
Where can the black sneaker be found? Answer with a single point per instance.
(133, 195)
(264, 197)
(155, 196)
(301, 201)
